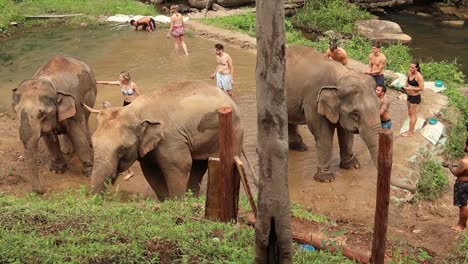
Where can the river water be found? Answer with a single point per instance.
(433, 41)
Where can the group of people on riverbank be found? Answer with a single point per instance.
(377, 62)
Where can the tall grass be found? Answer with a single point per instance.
(336, 15)
(433, 181)
(16, 10)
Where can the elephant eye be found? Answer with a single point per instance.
(42, 114)
(122, 150)
(355, 116)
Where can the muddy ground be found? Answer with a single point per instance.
(422, 224)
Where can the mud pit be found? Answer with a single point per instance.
(350, 200)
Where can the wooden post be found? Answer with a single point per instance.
(226, 156)
(241, 171)
(384, 160)
(212, 206)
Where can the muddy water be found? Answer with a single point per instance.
(152, 62)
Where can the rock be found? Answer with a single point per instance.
(194, 10)
(13, 24)
(421, 14)
(330, 33)
(454, 23)
(201, 4)
(231, 3)
(383, 31)
(217, 7)
(450, 10)
(183, 8)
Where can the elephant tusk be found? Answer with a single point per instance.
(91, 109)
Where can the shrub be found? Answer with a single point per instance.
(244, 23)
(433, 181)
(449, 72)
(336, 15)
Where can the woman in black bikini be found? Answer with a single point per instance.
(130, 91)
(413, 88)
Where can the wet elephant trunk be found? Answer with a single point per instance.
(370, 136)
(30, 136)
(104, 171)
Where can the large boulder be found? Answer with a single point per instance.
(201, 4)
(383, 31)
(231, 3)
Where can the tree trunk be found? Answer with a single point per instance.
(273, 236)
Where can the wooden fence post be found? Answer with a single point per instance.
(384, 160)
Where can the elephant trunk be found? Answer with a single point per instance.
(30, 135)
(371, 137)
(104, 172)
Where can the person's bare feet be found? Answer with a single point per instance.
(407, 134)
(457, 227)
(129, 175)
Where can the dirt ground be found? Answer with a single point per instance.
(421, 224)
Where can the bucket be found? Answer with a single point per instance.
(438, 83)
(432, 121)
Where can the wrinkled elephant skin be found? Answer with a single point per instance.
(326, 96)
(49, 104)
(171, 132)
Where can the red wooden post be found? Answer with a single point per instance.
(384, 160)
(228, 182)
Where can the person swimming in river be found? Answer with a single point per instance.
(130, 92)
(146, 23)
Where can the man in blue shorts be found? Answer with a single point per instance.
(224, 72)
(377, 61)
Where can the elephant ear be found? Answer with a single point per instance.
(150, 133)
(328, 103)
(15, 98)
(65, 106)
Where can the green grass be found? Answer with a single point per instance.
(72, 226)
(244, 23)
(16, 10)
(336, 15)
(433, 181)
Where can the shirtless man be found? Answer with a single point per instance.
(224, 72)
(460, 190)
(385, 120)
(146, 23)
(377, 62)
(337, 54)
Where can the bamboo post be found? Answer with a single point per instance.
(226, 156)
(245, 183)
(384, 171)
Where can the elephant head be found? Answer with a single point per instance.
(353, 105)
(39, 107)
(120, 139)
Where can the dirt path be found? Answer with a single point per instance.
(421, 224)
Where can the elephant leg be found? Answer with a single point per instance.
(346, 142)
(154, 176)
(57, 163)
(324, 145)
(77, 134)
(295, 139)
(197, 172)
(66, 145)
(175, 163)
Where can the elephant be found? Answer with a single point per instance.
(327, 96)
(48, 105)
(171, 131)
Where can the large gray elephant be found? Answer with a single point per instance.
(327, 96)
(49, 104)
(172, 132)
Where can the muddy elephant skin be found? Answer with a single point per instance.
(49, 104)
(171, 132)
(326, 96)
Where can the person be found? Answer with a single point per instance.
(385, 120)
(224, 72)
(413, 88)
(147, 23)
(377, 61)
(177, 28)
(460, 190)
(337, 53)
(130, 91)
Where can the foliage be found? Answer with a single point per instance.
(336, 15)
(300, 212)
(72, 226)
(460, 254)
(449, 72)
(398, 57)
(433, 181)
(244, 23)
(17, 10)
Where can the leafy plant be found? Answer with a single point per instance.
(433, 181)
(449, 72)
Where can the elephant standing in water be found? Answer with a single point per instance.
(326, 96)
(172, 132)
(50, 104)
